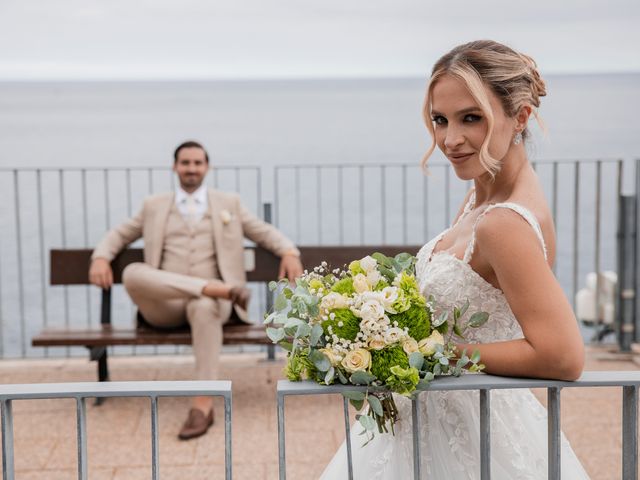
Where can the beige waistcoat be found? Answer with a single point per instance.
(189, 250)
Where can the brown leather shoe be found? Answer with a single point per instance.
(196, 424)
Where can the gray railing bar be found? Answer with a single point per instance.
(415, 425)
(106, 198)
(297, 202)
(347, 438)
(485, 434)
(43, 282)
(155, 450)
(597, 236)
(20, 279)
(477, 382)
(319, 201)
(340, 206)
(553, 432)
(227, 435)
(282, 460)
(405, 221)
(383, 203)
(7, 440)
(576, 223)
(81, 419)
(131, 167)
(1, 315)
(630, 433)
(85, 233)
(63, 236)
(361, 191)
(258, 190)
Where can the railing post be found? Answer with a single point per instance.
(228, 458)
(155, 447)
(81, 414)
(271, 349)
(347, 438)
(553, 445)
(630, 433)
(626, 303)
(7, 440)
(485, 434)
(415, 413)
(282, 459)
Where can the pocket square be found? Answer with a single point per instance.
(225, 216)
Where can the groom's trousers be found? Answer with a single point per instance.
(166, 299)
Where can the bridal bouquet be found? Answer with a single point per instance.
(368, 324)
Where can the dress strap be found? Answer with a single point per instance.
(522, 211)
(467, 207)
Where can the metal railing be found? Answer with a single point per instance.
(628, 381)
(44, 208)
(81, 391)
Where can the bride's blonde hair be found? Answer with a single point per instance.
(513, 77)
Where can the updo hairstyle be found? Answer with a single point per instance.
(513, 77)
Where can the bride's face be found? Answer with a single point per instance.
(461, 126)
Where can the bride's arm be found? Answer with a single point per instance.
(552, 346)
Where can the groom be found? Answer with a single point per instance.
(193, 268)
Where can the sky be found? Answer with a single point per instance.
(281, 39)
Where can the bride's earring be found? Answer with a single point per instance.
(517, 139)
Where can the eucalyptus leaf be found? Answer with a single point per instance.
(416, 360)
(304, 330)
(437, 369)
(273, 286)
(331, 374)
(456, 313)
(280, 302)
(362, 378)
(429, 376)
(293, 322)
(443, 361)
(475, 357)
(288, 346)
(440, 319)
(457, 331)
(319, 360)
(269, 318)
(343, 380)
(423, 383)
(478, 319)
(376, 406)
(367, 422)
(464, 308)
(354, 395)
(275, 334)
(316, 333)
(357, 404)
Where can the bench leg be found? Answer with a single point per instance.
(99, 354)
(271, 352)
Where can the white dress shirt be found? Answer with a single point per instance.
(192, 206)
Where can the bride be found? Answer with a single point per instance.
(497, 254)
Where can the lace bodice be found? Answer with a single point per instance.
(452, 281)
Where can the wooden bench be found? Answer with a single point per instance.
(71, 267)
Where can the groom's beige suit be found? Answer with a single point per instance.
(181, 256)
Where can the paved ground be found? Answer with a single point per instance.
(119, 439)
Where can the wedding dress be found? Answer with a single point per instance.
(450, 421)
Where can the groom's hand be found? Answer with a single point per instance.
(290, 267)
(100, 273)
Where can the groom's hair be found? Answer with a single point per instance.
(189, 144)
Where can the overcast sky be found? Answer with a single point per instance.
(209, 39)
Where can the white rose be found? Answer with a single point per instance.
(389, 296)
(355, 360)
(373, 277)
(377, 343)
(371, 311)
(334, 357)
(333, 300)
(409, 346)
(368, 264)
(360, 283)
(427, 346)
(393, 335)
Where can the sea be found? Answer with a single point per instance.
(369, 131)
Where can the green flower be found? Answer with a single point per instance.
(416, 319)
(350, 324)
(355, 267)
(403, 380)
(383, 360)
(315, 284)
(344, 286)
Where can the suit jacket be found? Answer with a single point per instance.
(231, 223)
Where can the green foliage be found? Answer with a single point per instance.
(403, 380)
(416, 319)
(350, 324)
(299, 367)
(383, 360)
(344, 286)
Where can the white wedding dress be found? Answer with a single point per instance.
(450, 421)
